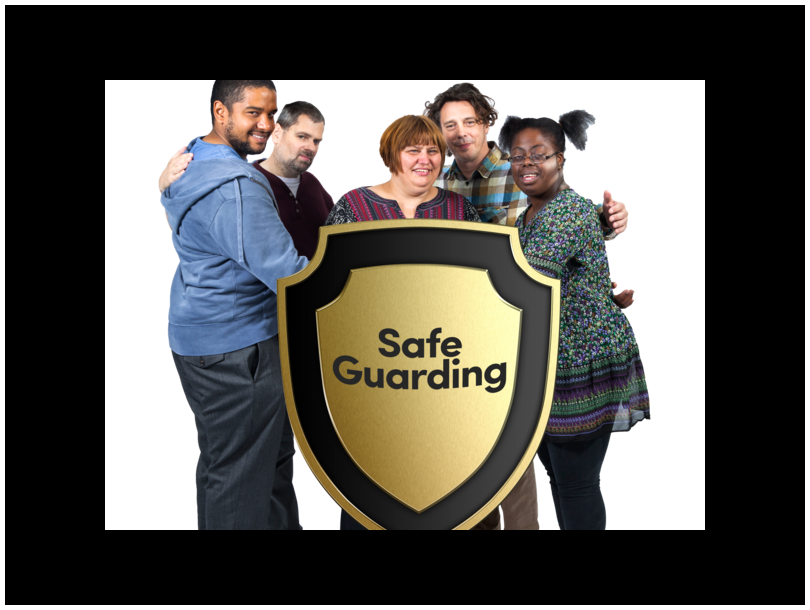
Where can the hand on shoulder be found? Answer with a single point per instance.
(175, 168)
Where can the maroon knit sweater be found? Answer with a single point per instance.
(302, 215)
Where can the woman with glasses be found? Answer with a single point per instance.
(600, 386)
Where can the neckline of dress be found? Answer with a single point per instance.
(545, 207)
(439, 192)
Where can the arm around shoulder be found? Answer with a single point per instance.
(612, 217)
(341, 213)
(607, 231)
(249, 231)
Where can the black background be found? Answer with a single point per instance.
(356, 114)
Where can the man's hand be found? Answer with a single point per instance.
(623, 300)
(615, 213)
(176, 168)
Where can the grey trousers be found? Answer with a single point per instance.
(245, 470)
(519, 507)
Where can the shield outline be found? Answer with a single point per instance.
(376, 225)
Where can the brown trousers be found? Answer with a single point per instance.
(519, 507)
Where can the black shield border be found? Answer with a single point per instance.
(441, 242)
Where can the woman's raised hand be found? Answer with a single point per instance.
(176, 168)
(624, 299)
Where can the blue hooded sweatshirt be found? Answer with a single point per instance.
(232, 248)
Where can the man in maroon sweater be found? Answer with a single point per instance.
(303, 204)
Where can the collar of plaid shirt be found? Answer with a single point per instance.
(495, 158)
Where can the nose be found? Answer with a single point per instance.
(266, 123)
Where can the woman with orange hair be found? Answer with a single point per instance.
(412, 148)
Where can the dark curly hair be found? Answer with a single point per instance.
(229, 92)
(572, 124)
(463, 92)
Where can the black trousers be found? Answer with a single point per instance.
(573, 470)
(245, 470)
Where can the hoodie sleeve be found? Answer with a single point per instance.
(249, 231)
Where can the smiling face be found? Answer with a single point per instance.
(248, 125)
(465, 134)
(420, 166)
(296, 146)
(534, 179)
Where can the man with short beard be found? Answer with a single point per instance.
(303, 204)
(223, 329)
(482, 173)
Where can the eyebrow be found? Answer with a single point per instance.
(309, 135)
(260, 109)
(466, 118)
(532, 148)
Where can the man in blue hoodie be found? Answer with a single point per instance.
(222, 319)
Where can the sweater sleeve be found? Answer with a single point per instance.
(341, 213)
(248, 215)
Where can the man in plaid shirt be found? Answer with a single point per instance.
(482, 173)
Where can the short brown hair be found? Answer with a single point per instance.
(463, 92)
(410, 130)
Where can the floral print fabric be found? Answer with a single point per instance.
(600, 384)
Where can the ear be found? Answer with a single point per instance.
(220, 112)
(276, 135)
(486, 128)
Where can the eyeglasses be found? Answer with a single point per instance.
(536, 159)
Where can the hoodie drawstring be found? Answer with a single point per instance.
(238, 220)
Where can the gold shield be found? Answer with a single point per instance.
(448, 459)
(417, 386)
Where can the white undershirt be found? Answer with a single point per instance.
(292, 184)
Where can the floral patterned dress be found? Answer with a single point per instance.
(600, 384)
